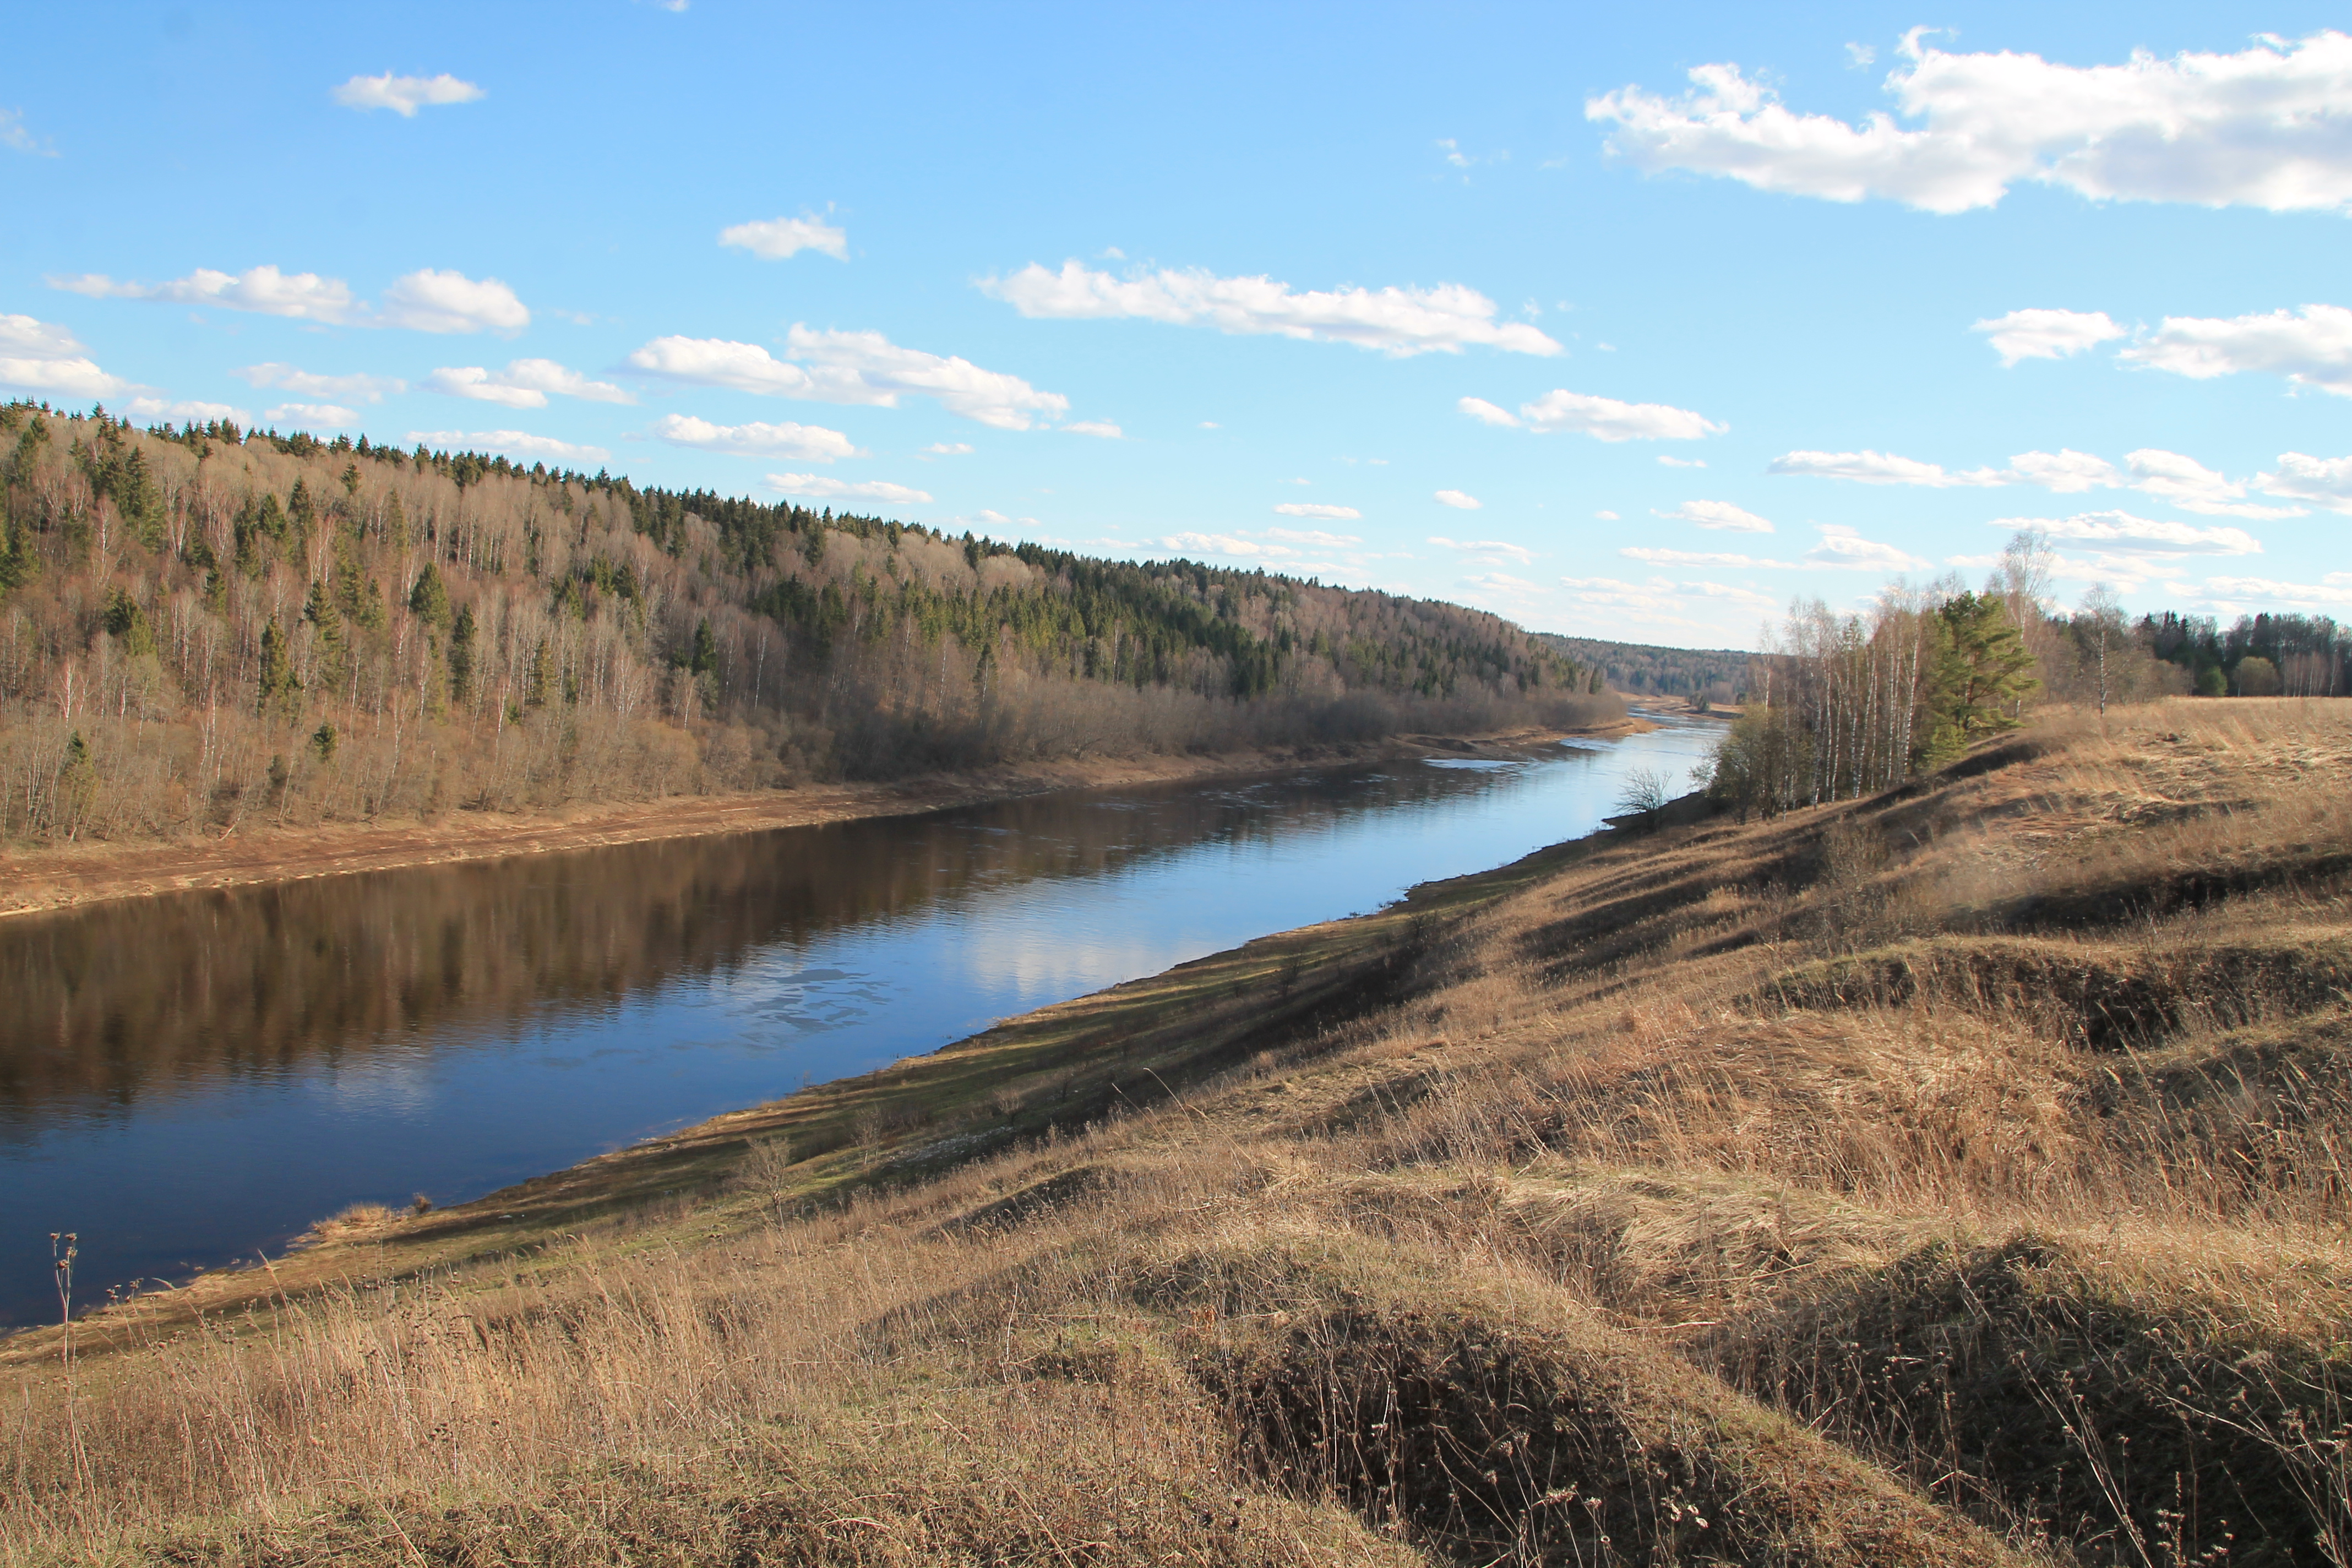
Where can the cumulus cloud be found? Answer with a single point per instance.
(2169, 476)
(2121, 533)
(431, 301)
(514, 442)
(816, 487)
(1460, 501)
(186, 410)
(425, 300)
(1486, 548)
(851, 367)
(1867, 468)
(524, 383)
(2047, 334)
(773, 239)
(42, 357)
(1315, 536)
(2322, 481)
(2234, 594)
(948, 449)
(1841, 549)
(2312, 347)
(1604, 418)
(1719, 514)
(404, 95)
(266, 291)
(1313, 509)
(2193, 487)
(2266, 127)
(799, 443)
(1102, 427)
(312, 415)
(357, 388)
(1395, 322)
(1660, 557)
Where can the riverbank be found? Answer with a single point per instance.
(50, 879)
(1952, 1177)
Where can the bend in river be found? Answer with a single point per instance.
(188, 1078)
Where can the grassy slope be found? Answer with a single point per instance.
(1956, 1176)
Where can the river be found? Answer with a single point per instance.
(188, 1080)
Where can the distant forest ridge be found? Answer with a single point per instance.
(201, 625)
(1645, 670)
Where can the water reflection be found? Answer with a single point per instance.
(185, 1077)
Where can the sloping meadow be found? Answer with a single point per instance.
(1955, 1176)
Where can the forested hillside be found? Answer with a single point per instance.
(200, 628)
(1645, 670)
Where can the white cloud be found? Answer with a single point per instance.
(1604, 418)
(816, 487)
(1313, 509)
(1460, 501)
(1658, 557)
(1860, 55)
(1210, 425)
(2323, 481)
(431, 301)
(312, 415)
(2193, 487)
(773, 239)
(1750, 596)
(2122, 532)
(799, 443)
(1659, 603)
(2229, 594)
(15, 136)
(1719, 514)
(2065, 471)
(948, 449)
(425, 300)
(1102, 427)
(1666, 462)
(1869, 468)
(2266, 127)
(851, 367)
(186, 410)
(1841, 549)
(1396, 321)
(302, 296)
(2169, 476)
(357, 388)
(1606, 516)
(513, 443)
(404, 95)
(41, 356)
(524, 383)
(1314, 535)
(2310, 349)
(2047, 334)
(1486, 547)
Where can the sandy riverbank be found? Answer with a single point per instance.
(48, 879)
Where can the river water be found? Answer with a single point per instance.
(189, 1079)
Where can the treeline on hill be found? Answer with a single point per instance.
(1842, 706)
(201, 626)
(1715, 674)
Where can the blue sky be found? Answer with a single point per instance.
(1620, 320)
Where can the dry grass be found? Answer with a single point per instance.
(1956, 1176)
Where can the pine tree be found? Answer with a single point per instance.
(1981, 675)
(461, 656)
(428, 601)
(277, 679)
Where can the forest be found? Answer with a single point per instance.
(202, 627)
